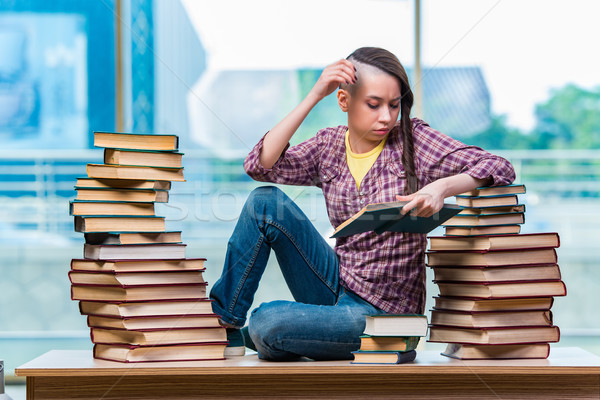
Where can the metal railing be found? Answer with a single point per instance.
(36, 186)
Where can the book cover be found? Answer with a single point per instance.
(148, 158)
(104, 171)
(491, 319)
(491, 257)
(122, 194)
(135, 278)
(158, 336)
(495, 242)
(382, 217)
(506, 273)
(480, 305)
(154, 322)
(486, 219)
(108, 208)
(138, 293)
(497, 351)
(504, 335)
(388, 343)
(396, 325)
(492, 210)
(123, 223)
(489, 201)
(134, 251)
(132, 237)
(149, 308)
(136, 141)
(86, 182)
(127, 353)
(495, 190)
(482, 230)
(502, 290)
(383, 357)
(137, 265)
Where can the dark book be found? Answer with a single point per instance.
(496, 190)
(487, 201)
(396, 325)
(123, 184)
(492, 257)
(132, 237)
(491, 319)
(388, 343)
(146, 308)
(480, 305)
(506, 273)
(134, 251)
(137, 293)
(154, 322)
(494, 242)
(143, 158)
(104, 171)
(158, 336)
(482, 230)
(382, 217)
(127, 353)
(502, 290)
(135, 278)
(383, 357)
(486, 219)
(107, 208)
(496, 351)
(511, 335)
(123, 223)
(121, 194)
(137, 265)
(519, 208)
(118, 140)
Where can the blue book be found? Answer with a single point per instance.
(383, 357)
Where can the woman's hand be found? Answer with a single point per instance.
(430, 199)
(332, 77)
(423, 203)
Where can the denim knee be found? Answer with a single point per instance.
(264, 196)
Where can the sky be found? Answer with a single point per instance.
(524, 47)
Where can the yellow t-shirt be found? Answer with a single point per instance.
(360, 164)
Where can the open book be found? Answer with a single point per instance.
(382, 217)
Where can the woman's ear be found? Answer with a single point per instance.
(343, 98)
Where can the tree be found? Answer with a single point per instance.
(500, 136)
(570, 119)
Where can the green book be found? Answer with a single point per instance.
(382, 217)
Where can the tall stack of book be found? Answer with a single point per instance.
(390, 338)
(496, 284)
(144, 300)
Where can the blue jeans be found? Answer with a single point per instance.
(325, 321)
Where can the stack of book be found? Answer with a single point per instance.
(390, 338)
(496, 284)
(144, 300)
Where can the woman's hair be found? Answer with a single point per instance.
(389, 63)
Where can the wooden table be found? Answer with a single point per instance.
(569, 373)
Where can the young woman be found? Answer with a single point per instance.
(375, 158)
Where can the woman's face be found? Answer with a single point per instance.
(373, 108)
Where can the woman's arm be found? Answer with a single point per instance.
(430, 199)
(277, 139)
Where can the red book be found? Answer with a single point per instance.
(492, 257)
(502, 290)
(491, 319)
(137, 293)
(158, 336)
(181, 352)
(511, 335)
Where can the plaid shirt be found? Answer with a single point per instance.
(387, 270)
